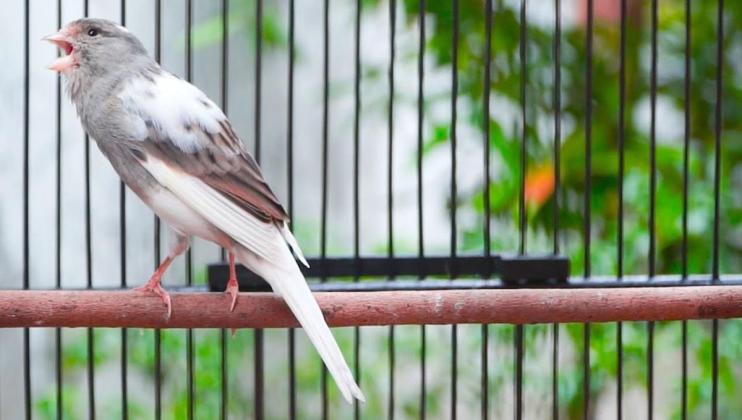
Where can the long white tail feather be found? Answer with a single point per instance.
(291, 240)
(264, 248)
(288, 282)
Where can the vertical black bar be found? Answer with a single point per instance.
(420, 229)
(290, 176)
(686, 142)
(325, 145)
(420, 131)
(621, 139)
(486, 190)
(390, 131)
(652, 206)
(189, 253)
(684, 371)
(122, 250)
(518, 331)
(588, 194)
(684, 252)
(454, 120)
(258, 72)
(717, 137)
(714, 368)
(157, 340)
(27, 398)
(485, 372)
(225, 73)
(158, 374)
(258, 333)
(225, 102)
(557, 119)
(555, 372)
(292, 373)
(356, 190)
(58, 221)
(653, 144)
(588, 135)
(518, 349)
(89, 268)
(486, 129)
(621, 166)
(390, 190)
(454, 194)
(423, 373)
(325, 124)
(524, 126)
(717, 202)
(224, 374)
(557, 182)
(650, 370)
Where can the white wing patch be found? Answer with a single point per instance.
(264, 239)
(171, 104)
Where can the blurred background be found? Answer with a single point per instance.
(505, 136)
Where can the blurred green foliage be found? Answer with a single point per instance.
(505, 141)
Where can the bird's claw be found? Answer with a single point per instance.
(233, 290)
(159, 291)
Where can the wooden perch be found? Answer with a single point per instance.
(264, 310)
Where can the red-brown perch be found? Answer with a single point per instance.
(264, 310)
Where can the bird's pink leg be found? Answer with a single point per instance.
(232, 286)
(153, 285)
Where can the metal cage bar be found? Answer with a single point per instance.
(587, 198)
(59, 378)
(686, 164)
(26, 196)
(420, 213)
(258, 336)
(652, 202)
(224, 93)
(522, 211)
(290, 204)
(486, 193)
(715, 268)
(557, 181)
(620, 188)
(356, 188)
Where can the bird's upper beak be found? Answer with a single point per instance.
(64, 41)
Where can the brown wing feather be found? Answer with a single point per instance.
(222, 163)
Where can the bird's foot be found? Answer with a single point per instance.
(153, 286)
(233, 290)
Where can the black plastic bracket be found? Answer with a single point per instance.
(515, 271)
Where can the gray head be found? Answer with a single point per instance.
(97, 49)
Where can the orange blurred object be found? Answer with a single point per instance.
(609, 11)
(539, 185)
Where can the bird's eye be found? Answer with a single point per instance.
(92, 32)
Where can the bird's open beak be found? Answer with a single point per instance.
(63, 40)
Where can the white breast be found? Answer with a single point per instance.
(183, 219)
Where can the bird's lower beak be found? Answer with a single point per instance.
(66, 60)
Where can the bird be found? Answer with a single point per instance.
(178, 152)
